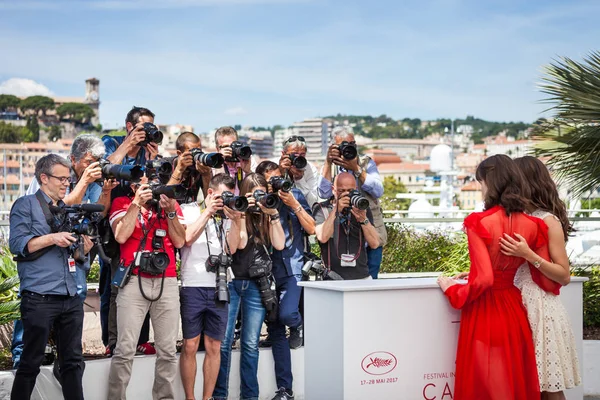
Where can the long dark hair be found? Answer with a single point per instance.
(505, 184)
(257, 225)
(544, 194)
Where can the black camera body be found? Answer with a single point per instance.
(153, 134)
(279, 183)
(266, 200)
(156, 261)
(171, 191)
(298, 162)
(159, 167)
(237, 203)
(219, 264)
(131, 173)
(213, 160)
(348, 150)
(314, 266)
(358, 200)
(262, 277)
(239, 151)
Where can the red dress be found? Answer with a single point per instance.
(495, 357)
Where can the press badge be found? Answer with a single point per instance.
(348, 260)
(72, 267)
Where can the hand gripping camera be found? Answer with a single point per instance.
(219, 264)
(262, 276)
(298, 162)
(279, 183)
(348, 150)
(237, 203)
(156, 261)
(356, 200)
(153, 134)
(213, 160)
(239, 152)
(266, 200)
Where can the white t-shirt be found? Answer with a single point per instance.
(193, 258)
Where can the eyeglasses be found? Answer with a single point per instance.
(292, 139)
(62, 179)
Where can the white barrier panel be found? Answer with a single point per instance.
(390, 339)
(95, 379)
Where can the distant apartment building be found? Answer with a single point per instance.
(412, 175)
(261, 142)
(508, 145)
(170, 134)
(470, 195)
(407, 149)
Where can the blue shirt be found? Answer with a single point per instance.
(111, 143)
(49, 274)
(289, 261)
(372, 185)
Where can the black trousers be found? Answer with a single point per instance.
(39, 313)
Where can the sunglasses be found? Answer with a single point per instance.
(292, 139)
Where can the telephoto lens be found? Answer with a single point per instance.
(213, 160)
(153, 134)
(348, 150)
(266, 200)
(359, 201)
(239, 152)
(131, 173)
(279, 183)
(160, 166)
(298, 162)
(236, 203)
(171, 191)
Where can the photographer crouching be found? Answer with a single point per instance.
(212, 236)
(297, 222)
(47, 270)
(344, 228)
(147, 226)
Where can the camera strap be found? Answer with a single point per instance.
(45, 209)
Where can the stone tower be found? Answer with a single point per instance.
(92, 98)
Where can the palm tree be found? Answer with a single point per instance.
(573, 134)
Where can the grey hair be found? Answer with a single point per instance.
(340, 131)
(45, 164)
(87, 143)
(294, 143)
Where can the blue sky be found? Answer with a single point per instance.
(263, 62)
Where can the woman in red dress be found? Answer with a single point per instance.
(495, 358)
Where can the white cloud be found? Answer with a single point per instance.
(24, 87)
(236, 111)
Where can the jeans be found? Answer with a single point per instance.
(374, 257)
(39, 313)
(81, 281)
(16, 347)
(245, 296)
(105, 289)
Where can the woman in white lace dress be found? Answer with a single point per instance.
(556, 352)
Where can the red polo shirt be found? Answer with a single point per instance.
(150, 221)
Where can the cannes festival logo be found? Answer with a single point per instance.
(379, 363)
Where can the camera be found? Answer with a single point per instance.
(219, 264)
(266, 200)
(171, 191)
(262, 277)
(239, 152)
(348, 150)
(131, 173)
(154, 262)
(237, 203)
(298, 162)
(278, 183)
(159, 167)
(358, 200)
(314, 265)
(213, 160)
(153, 135)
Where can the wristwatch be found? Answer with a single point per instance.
(365, 222)
(171, 215)
(358, 172)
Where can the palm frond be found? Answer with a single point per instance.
(9, 283)
(9, 311)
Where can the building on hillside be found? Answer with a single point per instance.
(407, 149)
(380, 156)
(470, 195)
(412, 175)
(170, 134)
(508, 145)
(261, 142)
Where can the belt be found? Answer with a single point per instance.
(48, 296)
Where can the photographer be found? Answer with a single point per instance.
(342, 156)
(250, 289)
(297, 222)
(193, 175)
(48, 288)
(303, 173)
(148, 236)
(238, 158)
(210, 233)
(343, 228)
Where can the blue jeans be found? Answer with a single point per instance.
(81, 281)
(288, 293)
(244, 295)
(374, 257)
(105, 290)
(17, 343)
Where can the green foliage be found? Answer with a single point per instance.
(34, 127)
(37, 104)
(14, 134)
(115, 133)
(591, 296)
(55, 133)
(389, 201)
(9, 286)
(573, 90)
(8, 102)
(94, 274)
(76, 112)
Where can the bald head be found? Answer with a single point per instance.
(342, 185)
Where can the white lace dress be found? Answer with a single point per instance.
(555, 349)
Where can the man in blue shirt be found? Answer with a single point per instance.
(48, 286)
(368, 181)
(297, 221)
